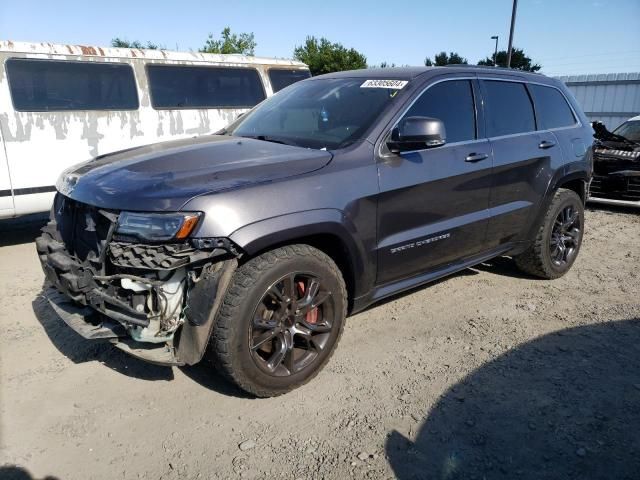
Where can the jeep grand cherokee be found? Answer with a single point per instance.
(249, 247)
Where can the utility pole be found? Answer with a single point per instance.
(513, 23)
(495, 53)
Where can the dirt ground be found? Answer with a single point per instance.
(487, 374)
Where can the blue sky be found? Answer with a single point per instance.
(565, 36)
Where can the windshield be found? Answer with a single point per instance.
(629, 130)
(324, 113)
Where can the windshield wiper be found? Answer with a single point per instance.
(266, 138)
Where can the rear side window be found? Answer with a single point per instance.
(281, 78)
(204, 87)
(53, 85)
(508, 108)
(452, 103)
(552, 109)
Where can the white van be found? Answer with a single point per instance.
(63, 104)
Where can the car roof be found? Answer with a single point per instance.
(409, 73)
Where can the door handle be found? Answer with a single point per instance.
(476, 157)
(546, 144)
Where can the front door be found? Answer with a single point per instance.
(433, 204)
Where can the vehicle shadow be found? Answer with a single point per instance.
(503, 266)
(21, 230)
(206, 375)
(14, 472)
(79, 350)
(566, 405)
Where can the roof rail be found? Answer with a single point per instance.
(491, 67)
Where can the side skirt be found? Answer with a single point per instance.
(383, 291)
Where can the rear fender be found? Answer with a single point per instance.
(556, 182)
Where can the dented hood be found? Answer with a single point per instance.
(164, 176)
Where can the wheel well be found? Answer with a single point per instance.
(332, 246)
(577, 186)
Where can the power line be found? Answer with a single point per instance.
(588, 55)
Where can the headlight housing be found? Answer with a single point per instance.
(157, 227)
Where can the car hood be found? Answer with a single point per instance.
(164, 176)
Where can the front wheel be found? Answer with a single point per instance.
(558, 239)
(280, 320)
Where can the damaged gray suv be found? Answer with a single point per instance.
(250, 247)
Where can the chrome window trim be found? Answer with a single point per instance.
(481, 77)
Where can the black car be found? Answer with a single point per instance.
(250, 247)
(616, 164)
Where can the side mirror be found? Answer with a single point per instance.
(417, 133)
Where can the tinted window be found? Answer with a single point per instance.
(204, 87)
(629, 130)
(451, 102)
(508, 108)
(321, 113)
(552, 109)
(281, 78)
(50, 85)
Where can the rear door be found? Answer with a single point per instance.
(433, 205)
(524, 159)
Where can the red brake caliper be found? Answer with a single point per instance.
(312, 315)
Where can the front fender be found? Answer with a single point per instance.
(298, 226)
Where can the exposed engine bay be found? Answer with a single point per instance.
(616, 177)
(144, 287)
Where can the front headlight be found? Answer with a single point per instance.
(157, 227)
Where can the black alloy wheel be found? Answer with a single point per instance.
(291, 324)
(565, 236)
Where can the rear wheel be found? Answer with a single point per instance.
(280, 320)
(558, 239)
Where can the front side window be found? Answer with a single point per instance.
(58, 85)
(204, 87)
(508, 108)
(281, 78)
(324, 113)
(452, 103)
(552, 109)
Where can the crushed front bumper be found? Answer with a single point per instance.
(96, 310)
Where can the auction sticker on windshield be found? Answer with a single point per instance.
(395, 84)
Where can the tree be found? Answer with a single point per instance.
(230, 43)
(519, 61)
(442, 58)
(121, 43)
(322, 56)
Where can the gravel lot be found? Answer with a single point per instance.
(487, 374)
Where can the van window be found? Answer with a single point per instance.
(281, 78)
(508, 108)
(204, 87)
(452, 103)
(55, 85)
(552, 109)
